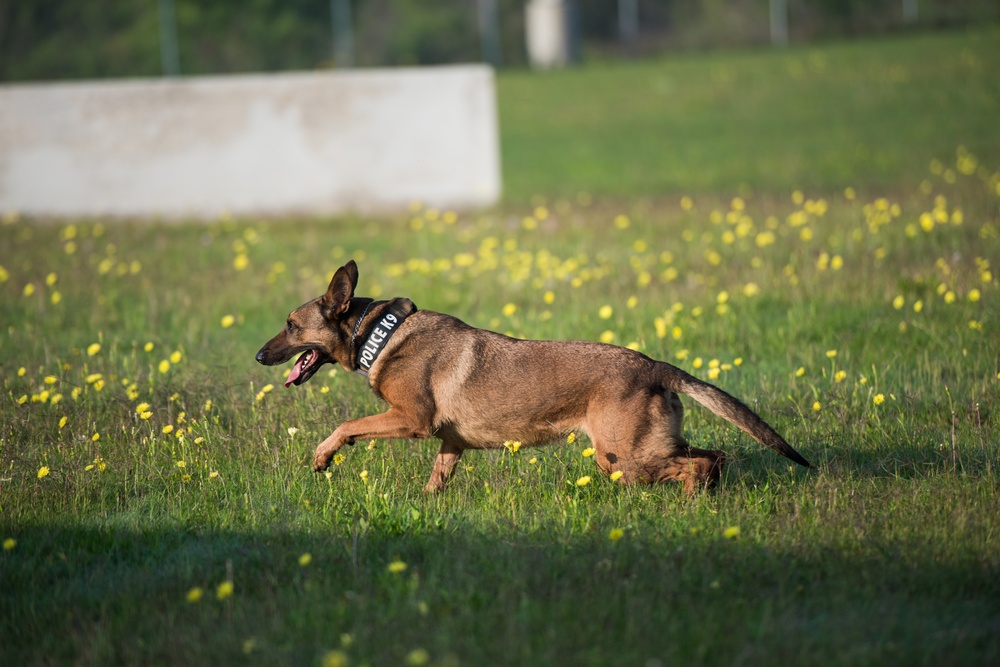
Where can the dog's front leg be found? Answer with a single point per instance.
(444, 466)
(391, 424)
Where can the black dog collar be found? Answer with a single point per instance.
(382, 332)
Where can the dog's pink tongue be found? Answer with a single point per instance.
(296, 371)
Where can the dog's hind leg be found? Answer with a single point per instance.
(444, 465)
(696, 468)
(642, 438)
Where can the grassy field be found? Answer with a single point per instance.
(862, 114)
(157, 504)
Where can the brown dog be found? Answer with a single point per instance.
(475, 389)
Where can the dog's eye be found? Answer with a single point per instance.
(291, 326)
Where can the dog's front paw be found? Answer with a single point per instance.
(321, 461)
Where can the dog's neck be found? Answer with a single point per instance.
(375, 326)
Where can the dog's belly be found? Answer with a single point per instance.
(482, 435)
(521, 417)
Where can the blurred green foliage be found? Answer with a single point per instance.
(59, 39)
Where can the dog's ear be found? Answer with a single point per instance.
(338, 295)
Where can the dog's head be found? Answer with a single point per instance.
(319, 329)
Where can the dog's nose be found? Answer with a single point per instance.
(260, 357)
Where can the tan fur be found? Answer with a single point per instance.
(475, 389)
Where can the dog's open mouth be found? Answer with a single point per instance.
(307, 364)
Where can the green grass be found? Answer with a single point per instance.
(885, 553)
(863, 114)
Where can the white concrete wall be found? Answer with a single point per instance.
(299, 143)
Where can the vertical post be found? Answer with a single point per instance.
(488, 15)
(628, 23)
(909, 11)
(547, 33)
(779, 22)
(169, 52)
(343, 33)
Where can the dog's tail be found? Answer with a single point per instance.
(727, 407)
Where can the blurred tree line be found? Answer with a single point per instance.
(67, 39)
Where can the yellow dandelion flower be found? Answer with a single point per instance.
(95, 437)
(23, 399)
(879, 399)
(396, 567)
(338, 459)
(335, 658)
(731, 532)
(509, 309)
(305, 559)
(533, 460)
(418, 657)
(93, 349)
(898, 302)
(676, 333)
(227, 321)
(973, 295)
(698, 362)
(168, 429)
(43, 472)
(50, 379)
(622, 221)
(148, 347)
(616, 475)
(21, 371)
(817, 406)
(164, 366)
(738, 361)
(549, 297)
(175, 358)
(224, 590)
(213, 474)
(62, 422)
(512, 445)
(839, 376)
(29, 289)
(605, 312)
(588, 452)
(918, 306)
(9, 544)
(142, 407)
(583, 481)
(364, 476)
(831, 354)
(195, 594)
(616, 534)
(607, 336)
(181, 464)
(241, 262)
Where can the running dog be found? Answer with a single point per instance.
(476, 389)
